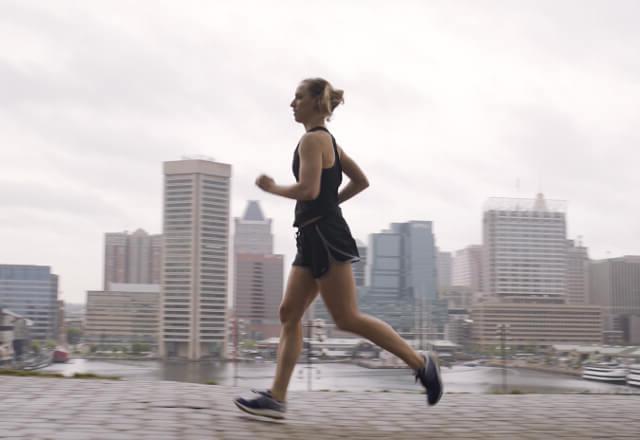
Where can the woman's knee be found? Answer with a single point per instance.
(289, 315)
(347, 322)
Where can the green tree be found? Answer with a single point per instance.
(248, 344)
(35, 346)
(74, 335)
(139, 347)
(50, 344)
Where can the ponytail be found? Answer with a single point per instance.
(327, 97)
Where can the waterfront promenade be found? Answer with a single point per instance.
(39, 408)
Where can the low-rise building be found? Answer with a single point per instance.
(530, 324)
(14, 335)
(32, 292)
(126, 314)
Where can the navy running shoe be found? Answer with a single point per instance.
(430, 378)
(263, 405)
(266, 392)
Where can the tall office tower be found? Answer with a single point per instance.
(132, 258)
(525, 249)
(443, 261)
(577, 273)
(115, 258)
(196, 253)
(614, 284)
(466, 268)
(253, 231)
(258, 285)
(32, 292)
(402, 279)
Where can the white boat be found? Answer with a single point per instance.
(633, 378)
(605, 372)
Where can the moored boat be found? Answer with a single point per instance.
(60, 355)
(633, 378)
(605, 372)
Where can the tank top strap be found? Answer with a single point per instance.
(335, 152)
(320, 128)
(333, 140)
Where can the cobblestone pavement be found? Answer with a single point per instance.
(38, 408)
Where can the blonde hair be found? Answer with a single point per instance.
(327, 98)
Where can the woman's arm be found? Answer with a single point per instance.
(308, 187)
(358, 182)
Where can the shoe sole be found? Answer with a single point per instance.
(434, 358)
(264, 413)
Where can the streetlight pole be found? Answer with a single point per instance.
(235, 352)
(309, 361)
(502, 330)
(421, 323)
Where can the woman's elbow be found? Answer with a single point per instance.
(310, 194)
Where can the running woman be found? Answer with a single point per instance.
(325, 251)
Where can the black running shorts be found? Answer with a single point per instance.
(322, 241)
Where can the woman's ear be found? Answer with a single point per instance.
(316, 104)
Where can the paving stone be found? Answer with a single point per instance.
(36, 408)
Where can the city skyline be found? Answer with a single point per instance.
(82, 297)
(469, 100)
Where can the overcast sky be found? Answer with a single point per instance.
(447, 103)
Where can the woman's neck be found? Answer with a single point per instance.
(316, 122)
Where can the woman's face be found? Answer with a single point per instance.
(303, 105)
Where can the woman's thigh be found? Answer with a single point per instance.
(338, 289)
(301, 290)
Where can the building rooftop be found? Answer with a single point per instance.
(134, 287)
(253, 212)
(539, 204)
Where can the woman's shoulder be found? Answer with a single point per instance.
(315, 140)
(316, 136)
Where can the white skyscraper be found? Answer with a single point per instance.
(525, 248)
(195, 266)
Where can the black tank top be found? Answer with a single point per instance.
(327, 201)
